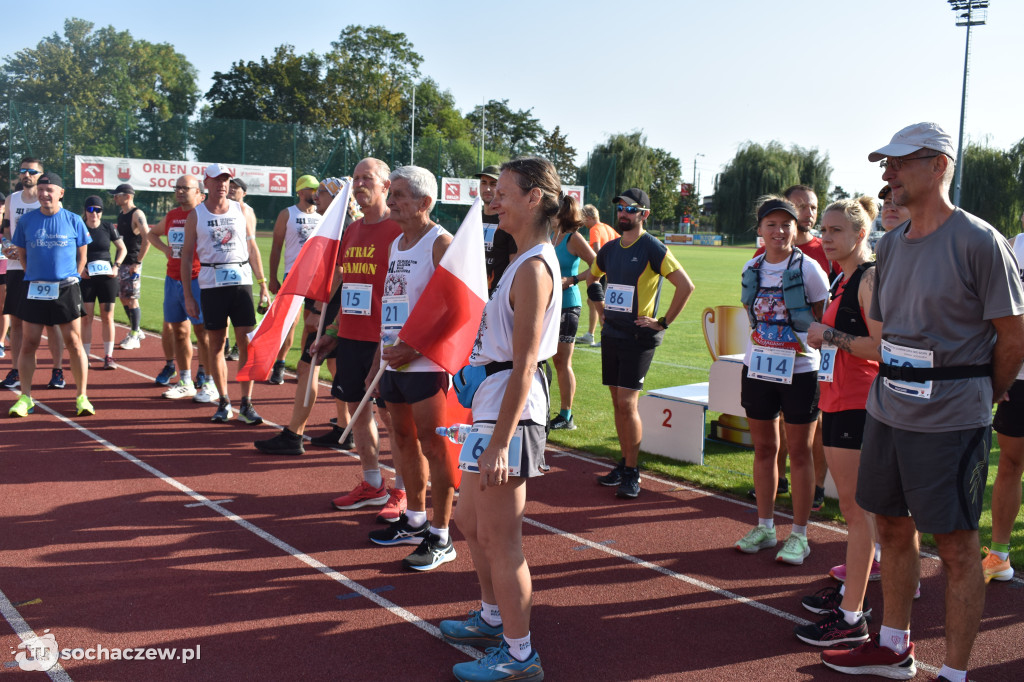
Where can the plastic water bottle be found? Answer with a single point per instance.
(456, 433)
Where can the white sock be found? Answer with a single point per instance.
(519, 648)
(490, 614)
(842, 589)
(373, 477)
(767, 523)
(108, 348)
(185, 376)
(1002, 555)
(878, 552)
(851, 617)
(441, 533)
(896, 640)
(953, 675)
(416, 518)
(399, 483)
(88, 348)
(800, 530)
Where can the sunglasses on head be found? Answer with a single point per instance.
(29, 171)
(94, 209)
(629, 209)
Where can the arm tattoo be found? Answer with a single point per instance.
(842, 340)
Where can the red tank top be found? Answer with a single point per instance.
(853, 376)
(175, 224)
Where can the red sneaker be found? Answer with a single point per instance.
(362, 495)
(394, 508)
(871, 658)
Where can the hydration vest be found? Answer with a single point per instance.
(848, 317)
(798, 308)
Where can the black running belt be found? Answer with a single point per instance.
(922, 374)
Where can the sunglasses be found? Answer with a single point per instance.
(94, 209)
(179, 188)
(896, 162)
(629, 209)
(29, 171)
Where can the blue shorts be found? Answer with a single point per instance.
(174, 301)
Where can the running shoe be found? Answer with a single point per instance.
(56, 379)
(819, 499)
(166, 374)
(183, 389)
(131, 342)
(871, 658)
(839, 572)
(994, 567)
(12, 380)
(833, 629)
(277, 374)
(400, 533)
(474, 631)
(231, 354)
(430, 554)
(3, 351)
(629, 488)
(587, 338)
(332, 439)
(108, 363)
(360, 496)
(22, 407)
(201, 378)
(757, 539)
(223, 413)
(499, 664)
(829, 599)
(614, 477)
(208, 393)
(247, 413)
(83, 407)
(394, 508)
(560, 423)
(781, 489)
(794, 551)
(285, 443)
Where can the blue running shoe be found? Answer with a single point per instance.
(201, 378)
(165, 375)
(56, 379)
(474, 631)
(500, 664)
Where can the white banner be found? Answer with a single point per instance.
(103, 172)
(465, 190)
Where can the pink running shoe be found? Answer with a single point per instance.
(362, 495)
(839, 572)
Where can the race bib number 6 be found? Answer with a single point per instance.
(476, 442)
(619, 297)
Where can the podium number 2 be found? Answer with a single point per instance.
(668, 418)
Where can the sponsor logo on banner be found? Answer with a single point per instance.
(279, 183)
(101, 172)
(575, 194)
(452, 190)
(124, 171)
(465, 191)
(92, 174)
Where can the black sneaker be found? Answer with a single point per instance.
(277, 374)
(331, 439)
(285, 443)
(400, 533)
(833, 629)
(223, 413)
(630, 486)
(819, 499)
(231, 354)
(613, 477)
(782, 489)
(430, 554)
(560, 423)
(827, 600)
(56, 379)
(12, 380)
(247, 413)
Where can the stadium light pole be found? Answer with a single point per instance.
(412, 140)
(968, 13)
(695, 171)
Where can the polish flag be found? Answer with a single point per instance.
(311, 276)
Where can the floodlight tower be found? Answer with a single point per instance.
(968, 13)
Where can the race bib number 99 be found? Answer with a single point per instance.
(43, 291)
(476, 442)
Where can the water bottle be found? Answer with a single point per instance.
(456, 433)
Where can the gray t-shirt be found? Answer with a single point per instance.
(938, 293)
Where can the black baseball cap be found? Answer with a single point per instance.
(240, 183)
(884, 192)
(124, 188)
(633, 196)
(50, 179)
(93, 201)
(490, 171)
(776, 205)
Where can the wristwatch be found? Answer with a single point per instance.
(663, 322)
(828, 335)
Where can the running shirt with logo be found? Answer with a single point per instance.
(938, 294)
(51, 244)
(221, 244)
(132, 241)
(19, 207)
(299, 228)
(407, 277)
(773, 329)
(363, 259)
(175, 226)
(494, 343)
(98, 250)
(852, 376)
(633, 273)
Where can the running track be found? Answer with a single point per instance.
(147, 526)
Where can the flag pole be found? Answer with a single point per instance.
(362, 403)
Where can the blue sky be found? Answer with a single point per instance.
(696, 77)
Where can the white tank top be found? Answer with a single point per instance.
(408, 274)
(298, 229)
(220, 241)
(19, 207)
(494, 342)
(1018, 251)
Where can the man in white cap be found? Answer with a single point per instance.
(223, 234)
(950, 301)
(292, 228)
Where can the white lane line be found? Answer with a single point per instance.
(25, 634)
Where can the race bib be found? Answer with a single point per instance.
(43, 291)
(901, 356)
(100, 267)
(356, 299)
(619, 298)
(489, 236)
(227, 275)
(394, 311)
(772, 364)
(176, 239)
(828, 363)
(476, 442)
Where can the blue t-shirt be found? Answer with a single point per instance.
(569, 265)
(51, 244)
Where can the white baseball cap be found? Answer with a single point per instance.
(215, 170)
(914, 138)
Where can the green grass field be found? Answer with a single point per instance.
(682, 359)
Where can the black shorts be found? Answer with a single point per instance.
(412, 387)
(65, 308)
(3, 279)
(624, 363)
(797, 401)
(103, 288)
(14, 293)
(843, 429)
(1009, 419)
(595, 292)
(569, 325)
(331, 312)
(354, 362)
(937, 478)
(222, 303)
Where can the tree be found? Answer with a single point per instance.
(510, 133)
(838, 193)
(665, 192)
(992, 188)
(554, 147)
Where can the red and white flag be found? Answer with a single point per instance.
(311, 276)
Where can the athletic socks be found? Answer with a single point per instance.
(439, 532)
(519, 648)
(373, 477)
(135, 316)
(399, 483)
(88, 348)
(108, 348)
(767, 523)
(185, 376)
(1000, 550)
(565, 414)
(800, 530)
(953, 675)
(851, 617)
(893, 639)
(415, 518)
(490, 614)
(878, 551)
